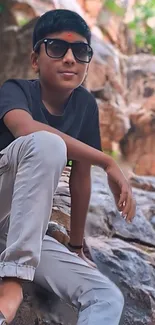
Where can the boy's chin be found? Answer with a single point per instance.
(68, 86)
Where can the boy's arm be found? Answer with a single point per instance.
(80, 189)
(21, 123)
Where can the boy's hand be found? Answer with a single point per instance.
(122, 192)
(81, 254)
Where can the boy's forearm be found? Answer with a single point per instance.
(80, 188)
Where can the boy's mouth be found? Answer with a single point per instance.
(68, 73)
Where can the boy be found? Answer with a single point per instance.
(43, 123)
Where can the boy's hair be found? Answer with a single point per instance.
(60, 20)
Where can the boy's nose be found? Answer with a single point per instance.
(69, 57)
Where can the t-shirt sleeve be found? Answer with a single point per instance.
(91, 132)
(12, 97)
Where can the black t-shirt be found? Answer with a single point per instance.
(79, 120)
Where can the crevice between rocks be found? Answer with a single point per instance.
(132, 240)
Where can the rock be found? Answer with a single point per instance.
(132, 269)
(116, 32)
(125, 253)
(58, 231)
(146, 203)
(30, 9)
(104, 66)
(16, 40)
(112, 109)
(140, 71)
(137, 145)
(91, 8)
(42, 308)
(109, 221)
(146, 183)
(104, 81)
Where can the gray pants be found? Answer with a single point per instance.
(30, 169)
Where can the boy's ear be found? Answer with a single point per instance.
(34, 61)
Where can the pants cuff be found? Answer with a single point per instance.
(25, 272)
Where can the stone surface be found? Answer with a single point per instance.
(112, 109)
(146, 203)
(138, 144)
(105, 82)
(109, 222)
(115, 31)
(144, 182)
(42, 308)
(16, 41)
(132, 269)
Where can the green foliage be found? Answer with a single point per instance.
(22, 21)
(2, 7)
(113, 153)
(112, 6)
(144, 33)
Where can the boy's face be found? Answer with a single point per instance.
(64, 73)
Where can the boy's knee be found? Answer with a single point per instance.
(51, 144)
(105, 292)
(113, 295)
(49, 148)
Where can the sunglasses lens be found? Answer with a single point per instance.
(56, 48)
(82, 52)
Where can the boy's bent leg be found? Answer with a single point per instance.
(36, 162)
(98, 300)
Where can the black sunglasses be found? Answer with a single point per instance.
(57, 48)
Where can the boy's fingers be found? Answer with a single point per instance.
(127, 206)
(132, 211)
(123, 197)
